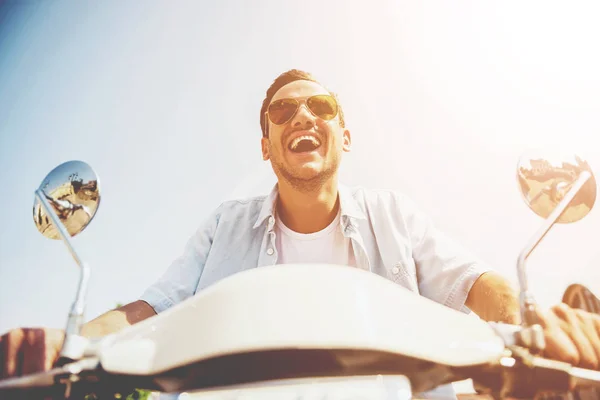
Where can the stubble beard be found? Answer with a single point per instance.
(306, 185)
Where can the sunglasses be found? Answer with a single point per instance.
(322, 106)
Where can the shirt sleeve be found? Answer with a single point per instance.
(446, 271)
(180, 280)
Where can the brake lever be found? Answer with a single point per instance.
(529, 337)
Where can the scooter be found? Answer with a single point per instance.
(257, 335)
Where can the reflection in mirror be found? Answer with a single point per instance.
(544, 181)
(73, 190)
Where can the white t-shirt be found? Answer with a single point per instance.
(328, 246)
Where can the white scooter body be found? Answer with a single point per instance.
(302, 307)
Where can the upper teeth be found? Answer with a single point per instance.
(313, 139)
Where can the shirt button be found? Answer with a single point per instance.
(395, 270)
(270, 251)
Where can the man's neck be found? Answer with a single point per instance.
(307, 212)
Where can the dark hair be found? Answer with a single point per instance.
(282, 80)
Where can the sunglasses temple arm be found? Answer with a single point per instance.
(266, 134)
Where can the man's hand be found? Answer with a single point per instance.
(29, 350)
(572, 335)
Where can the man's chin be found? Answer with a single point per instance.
(308, 171)
(306, 176)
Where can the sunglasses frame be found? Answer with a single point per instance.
(300, 101)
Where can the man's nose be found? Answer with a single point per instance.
(303, 117)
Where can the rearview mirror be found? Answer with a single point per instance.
(544, 181)
(65, 203)
(73, 191)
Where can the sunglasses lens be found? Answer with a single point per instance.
(323, 106)
(280, 111)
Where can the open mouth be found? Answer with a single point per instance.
(304, 144)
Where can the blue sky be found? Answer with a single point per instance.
(163, 101)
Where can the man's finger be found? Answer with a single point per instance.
(596, 319)
(591, 330)
(12, 343)
(559, 345)
(571, 324)
(54, 342)
(34, 351)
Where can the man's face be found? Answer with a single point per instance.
(305, 163)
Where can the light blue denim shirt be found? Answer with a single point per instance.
(389, 235)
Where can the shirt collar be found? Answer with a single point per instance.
(348, 206)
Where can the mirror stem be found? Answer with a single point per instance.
(74, 343)
(528, 315)
(64, 234)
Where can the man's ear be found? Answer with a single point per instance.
(264, 144)
(347, 141)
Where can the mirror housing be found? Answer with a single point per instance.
(545, 181)
(73, 191)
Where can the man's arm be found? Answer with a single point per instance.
(117, 319)
(177, 284)
(493, 298)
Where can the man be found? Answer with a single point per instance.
(310, 217)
